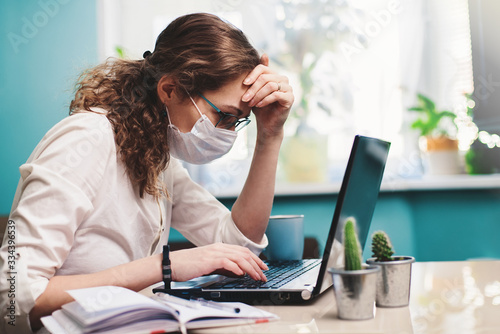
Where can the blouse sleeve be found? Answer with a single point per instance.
(55, 193)
(200, 217)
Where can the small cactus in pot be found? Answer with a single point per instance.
(381, 246)
(394, 279)
(355, 284)
(352, 249)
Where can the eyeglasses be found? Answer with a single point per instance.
(228, 121)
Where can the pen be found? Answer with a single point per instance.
(194, 303)
(163, 297)
(222, 307)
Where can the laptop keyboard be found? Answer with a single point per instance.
(279, 274)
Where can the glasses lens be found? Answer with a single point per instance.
(227, 121)
(241, 124)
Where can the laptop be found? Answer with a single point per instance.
(300, 281)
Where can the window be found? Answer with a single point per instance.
(355, 67)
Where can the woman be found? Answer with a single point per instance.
(100, 192)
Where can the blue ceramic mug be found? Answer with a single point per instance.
(286, 237)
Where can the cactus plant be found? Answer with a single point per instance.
(382, 247)
(352, 249)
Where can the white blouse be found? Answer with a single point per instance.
(75, 211)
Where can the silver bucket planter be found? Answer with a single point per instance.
(355, 292)
(393, 281)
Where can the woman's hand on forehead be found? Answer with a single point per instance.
(269, 94)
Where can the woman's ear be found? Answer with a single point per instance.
(165, 89)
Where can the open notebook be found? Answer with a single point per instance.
(109, 309)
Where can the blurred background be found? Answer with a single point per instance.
(413, 72)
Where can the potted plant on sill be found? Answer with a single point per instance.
(394, 278)
(354, 285)
(440, 149)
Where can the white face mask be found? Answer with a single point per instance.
(202, 144)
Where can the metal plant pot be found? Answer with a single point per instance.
(355, 292)
(393, 281)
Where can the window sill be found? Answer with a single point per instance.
(426, 183)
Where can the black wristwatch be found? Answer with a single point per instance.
(165, 266)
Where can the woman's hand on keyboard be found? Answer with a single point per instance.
(216, 258)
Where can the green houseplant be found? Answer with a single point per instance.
(354, 285)
(436, 141)
(429, 122)
(394, 278)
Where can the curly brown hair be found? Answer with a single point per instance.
(199, 51)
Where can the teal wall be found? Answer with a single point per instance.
(434, 225)
(44, 45)
(456, 225)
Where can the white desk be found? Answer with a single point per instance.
(456, 297)
(446, 297)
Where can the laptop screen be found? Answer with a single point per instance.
(357, 198)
